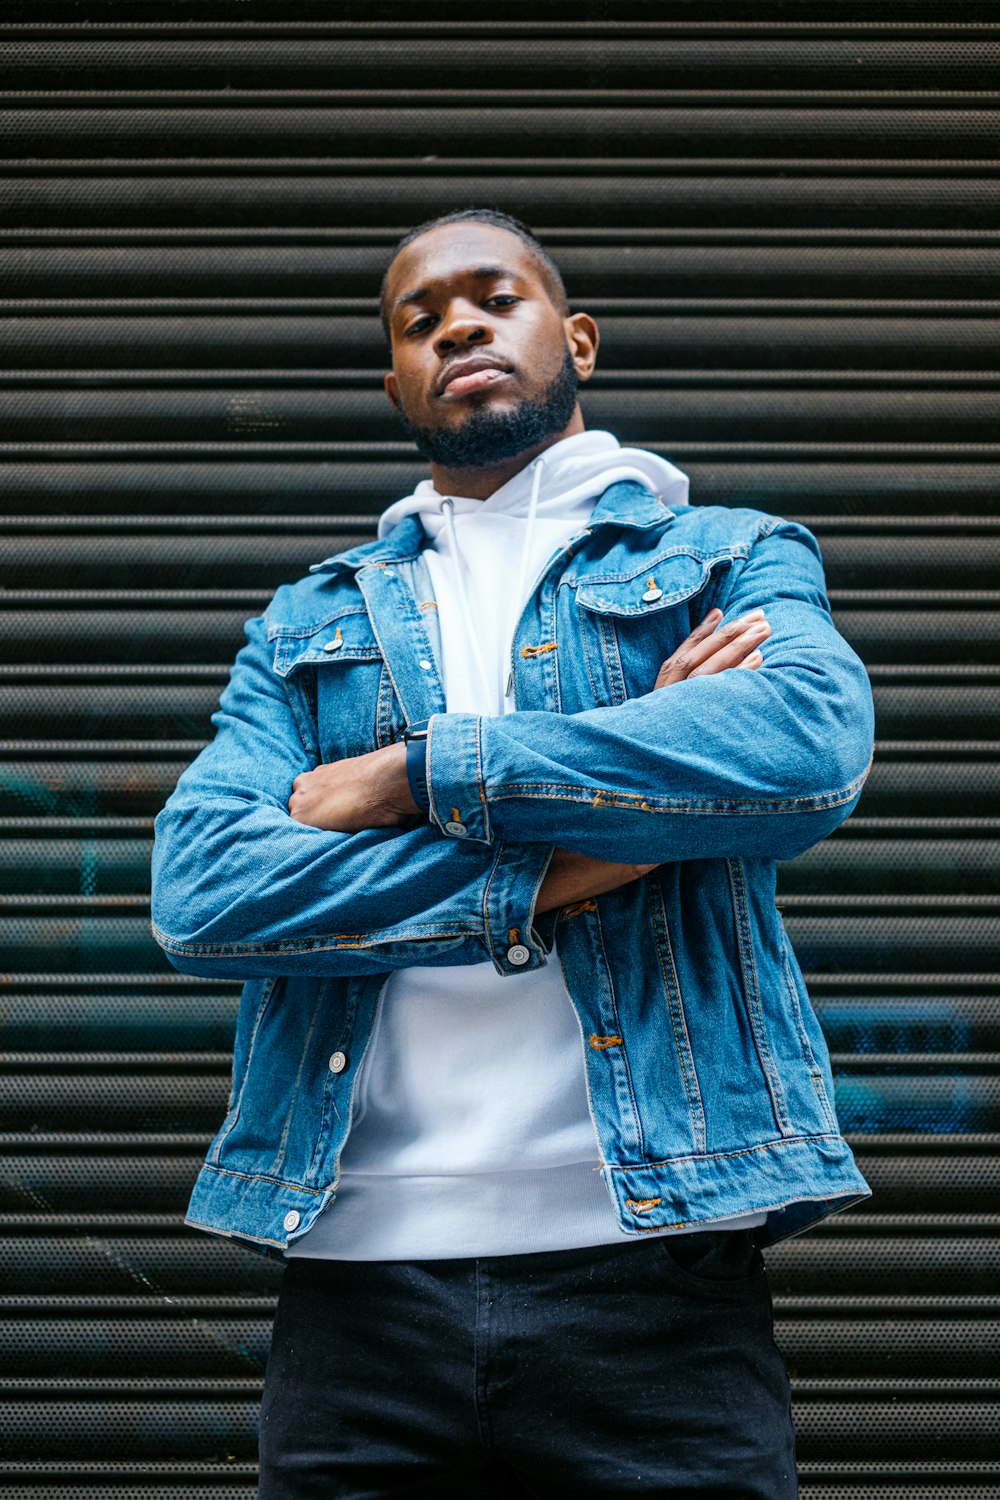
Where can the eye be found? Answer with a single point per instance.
(503, 299)
(420, 325)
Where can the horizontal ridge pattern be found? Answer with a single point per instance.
(785, 219)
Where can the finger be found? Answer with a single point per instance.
(700, 633)
(734, 652)
(701, 650)
(701, 646)
(707, 625)
(751, 662)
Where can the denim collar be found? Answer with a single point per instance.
(628, 505)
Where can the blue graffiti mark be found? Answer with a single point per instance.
(918, 1103)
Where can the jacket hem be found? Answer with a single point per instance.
(796, 1182)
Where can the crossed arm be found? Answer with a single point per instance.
(372, 791)
(263, 866)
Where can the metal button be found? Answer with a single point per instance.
(458, 829)
(652, 594)
(334, 645)
(518, 954)
(424, 664)
(338, 1062)
(292, 1219)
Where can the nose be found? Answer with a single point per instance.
(463, 324)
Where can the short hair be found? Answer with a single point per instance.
(550, 273)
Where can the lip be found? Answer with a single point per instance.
(462, 371)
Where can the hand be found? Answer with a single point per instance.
(372, 791)
(713, 648)
(707, 650)
(345, 796)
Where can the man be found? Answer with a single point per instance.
(525, 1072)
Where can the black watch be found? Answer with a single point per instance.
(415, 740)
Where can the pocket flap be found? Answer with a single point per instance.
(346, 636)
(660, 583)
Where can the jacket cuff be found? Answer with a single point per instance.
(455, 778)
(516, 944)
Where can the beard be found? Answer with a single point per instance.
(488, 436)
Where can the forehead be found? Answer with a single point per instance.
(455, 250)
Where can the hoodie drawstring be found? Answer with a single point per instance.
(472, 634)
(522, 572)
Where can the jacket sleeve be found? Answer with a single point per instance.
(759, 764)
(242, 890)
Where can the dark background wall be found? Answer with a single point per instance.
(785, 217)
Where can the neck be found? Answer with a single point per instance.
(481, 483)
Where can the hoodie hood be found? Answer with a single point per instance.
(484, 555)
(575, 472)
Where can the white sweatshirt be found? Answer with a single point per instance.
(471, 1132)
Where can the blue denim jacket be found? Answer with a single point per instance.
(708, 1074)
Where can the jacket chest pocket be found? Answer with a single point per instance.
(338, 684)
(629, 624)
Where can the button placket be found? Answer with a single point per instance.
(401, 635)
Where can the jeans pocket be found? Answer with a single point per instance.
(725, 1261)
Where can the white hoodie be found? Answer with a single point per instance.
(504, 542)
(472, 1133)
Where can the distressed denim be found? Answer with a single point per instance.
(707, 1071)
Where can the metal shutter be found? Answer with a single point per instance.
(784, 215)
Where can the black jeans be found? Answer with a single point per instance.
(646, 1369)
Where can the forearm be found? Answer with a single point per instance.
(241, 889)
(571, 878)
(374, 790)
(655, 782)
(758, 763)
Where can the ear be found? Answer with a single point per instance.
(392, 389)
(583, 337)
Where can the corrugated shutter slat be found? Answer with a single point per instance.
(785, 217)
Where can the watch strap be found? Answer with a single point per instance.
(415, 739)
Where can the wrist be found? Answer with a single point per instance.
(396, 795)
(415, 765)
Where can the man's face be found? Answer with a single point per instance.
(484, 365)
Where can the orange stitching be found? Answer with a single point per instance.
(675, 1010)
(642, 1205)
(539, 650)
(456, 816)
(418, 932)
(513, 935)
(569, 792)
(210, 1166)
(575, 909)
(427, 604)
(781, 1141)
(601, 1043)
(258, 1239)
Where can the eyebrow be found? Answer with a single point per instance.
(479, 273)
